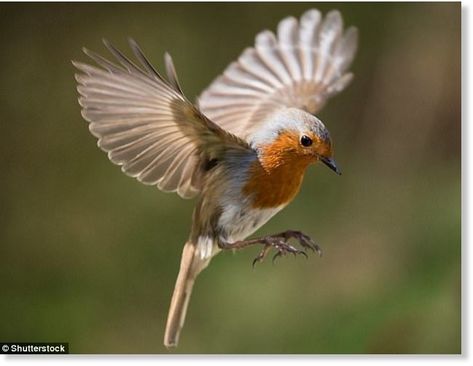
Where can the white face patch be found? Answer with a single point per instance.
(289, 119)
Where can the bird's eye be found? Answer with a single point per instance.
(306, 141)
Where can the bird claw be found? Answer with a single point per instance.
(280, 243)
(304, 240)
(278, 254)
(304, 254)
(284, 248)
(262, 254)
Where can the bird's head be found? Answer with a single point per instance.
(293, 136)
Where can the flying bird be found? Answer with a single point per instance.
(242, 149)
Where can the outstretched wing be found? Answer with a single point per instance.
(302, 67)
(145, 123)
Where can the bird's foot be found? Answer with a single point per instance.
(280, 242)
(303, 239)
(281, 246)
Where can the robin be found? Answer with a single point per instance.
(243, 148)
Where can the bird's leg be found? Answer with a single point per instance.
(280, 242)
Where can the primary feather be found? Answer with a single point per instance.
(301, 67)
(145, 123)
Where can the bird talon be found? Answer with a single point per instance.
(310, 244)
(278, 254)
(262, 254)
(305, 241)
(311, 248)
(280, 243)
(304, 254)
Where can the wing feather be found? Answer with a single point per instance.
(302, 67)
(145, 124)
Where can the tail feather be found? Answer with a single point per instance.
(191, 266)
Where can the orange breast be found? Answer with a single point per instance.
(276, 177)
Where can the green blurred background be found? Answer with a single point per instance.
(89, 256)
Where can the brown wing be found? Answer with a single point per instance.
(145, 123)
(301, 67)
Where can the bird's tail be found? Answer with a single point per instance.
(191, 265)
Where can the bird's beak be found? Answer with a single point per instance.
(331, 164)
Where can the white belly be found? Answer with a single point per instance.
(238, 222)
(238, 219)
